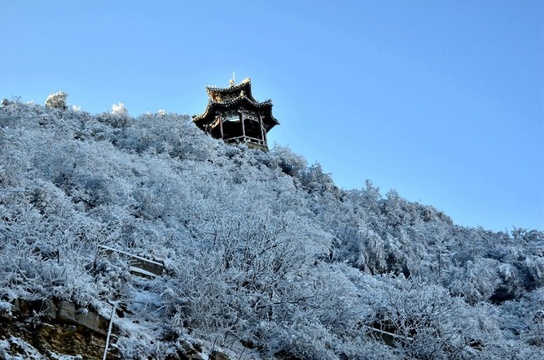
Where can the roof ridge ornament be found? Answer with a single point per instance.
(232, 81)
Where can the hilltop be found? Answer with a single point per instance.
(260, 254)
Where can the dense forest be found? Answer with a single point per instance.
(259, 248)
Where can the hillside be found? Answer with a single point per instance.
(262, 255)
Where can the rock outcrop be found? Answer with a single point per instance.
(56, 327)
(36, 329)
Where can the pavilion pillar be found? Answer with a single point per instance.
(263, 133)
(221, 126)
(242, 119)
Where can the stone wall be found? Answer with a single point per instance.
(56, 327)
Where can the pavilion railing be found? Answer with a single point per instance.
(246, 139)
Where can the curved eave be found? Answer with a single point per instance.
(236, 89)
(244, 99)
(209, 114)
(241, 100)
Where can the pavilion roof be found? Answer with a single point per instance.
(232, 90)
(235, 97)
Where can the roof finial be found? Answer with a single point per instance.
(232, 81)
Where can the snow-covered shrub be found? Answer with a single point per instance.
(119, 109)
(422, 321)
(57, 101)
(289, 162)
(118, 117)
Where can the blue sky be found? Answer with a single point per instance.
(441, 100)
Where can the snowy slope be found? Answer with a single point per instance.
(258, 248)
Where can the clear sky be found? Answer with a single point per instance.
(441, 100)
